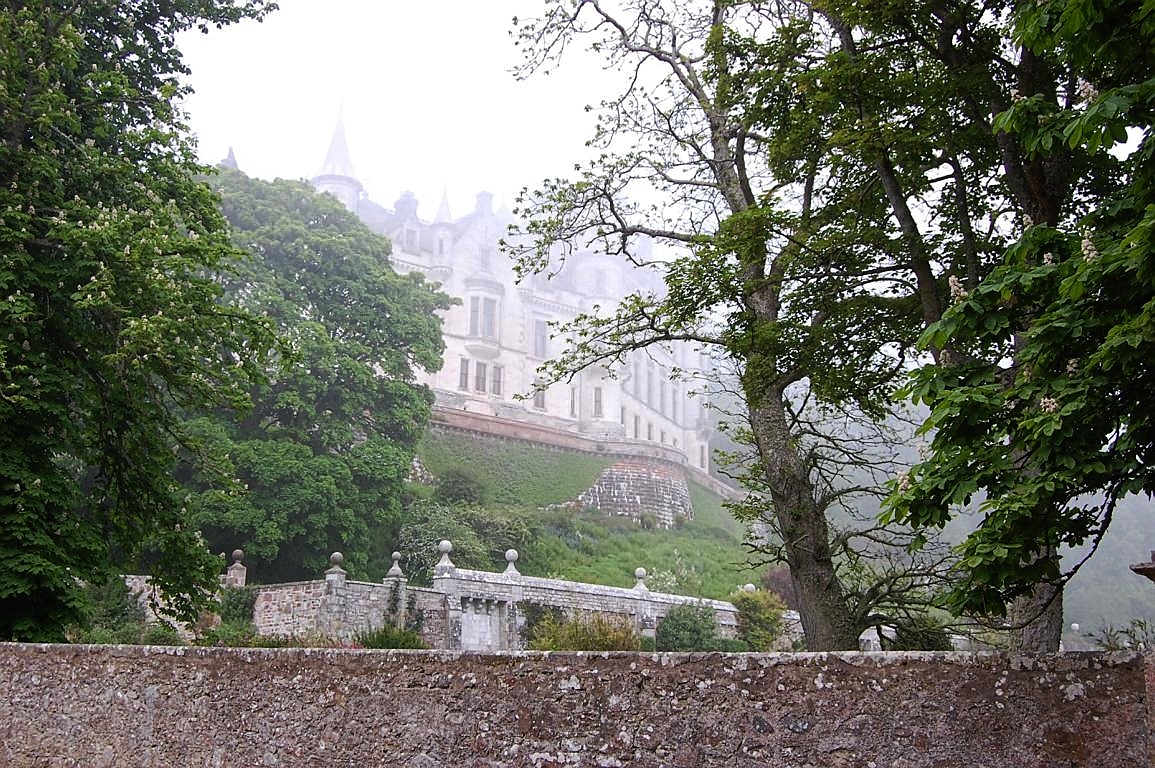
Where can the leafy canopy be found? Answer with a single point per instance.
(319, 463)
(111, 257)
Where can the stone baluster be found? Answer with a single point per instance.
(640, 575)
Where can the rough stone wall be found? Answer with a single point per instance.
(122, 707)
(639, 487)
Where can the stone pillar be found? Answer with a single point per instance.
(236, 574)
(397, 609)
(331, 611)
(445, 582)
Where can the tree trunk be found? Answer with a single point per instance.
(822, 605)
(1041, 614)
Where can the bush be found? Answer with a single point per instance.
(759, 618)
(388, 637)
(596, 632)
(688, 627)
(918, 632)
(236, 605)
(462, 485)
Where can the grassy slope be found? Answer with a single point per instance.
(702, 557)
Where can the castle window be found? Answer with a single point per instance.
(483, 317)
(622, 415)
(597, 402)
(702, 456)
(637, 426)
(541, 339)
(539, 399)
(662, 400)
(441, 246)
(650, 386)
(463, 376)
(573, 404)
(649, 432)
(411, 240)
(663, 440)
(495, 381)
(479, 378)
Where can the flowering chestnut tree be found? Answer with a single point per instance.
(1046, 410)
(112, 327)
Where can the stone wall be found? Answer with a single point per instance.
(463, 610)
(133, 707)
(638, 487)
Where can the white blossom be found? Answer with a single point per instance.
(1090, 253)
(957, 292)
(1048, 404)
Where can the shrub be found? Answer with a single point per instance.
(918, 632)
(388, 637)
(596, 632)
(759, 618)
(236, 605)
(462, 485)
(688, 627)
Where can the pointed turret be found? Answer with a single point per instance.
(443, 216)
(337, 176)
(230, 161)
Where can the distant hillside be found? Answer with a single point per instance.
(703, 556)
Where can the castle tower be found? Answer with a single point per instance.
(337, 176)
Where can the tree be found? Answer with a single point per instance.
(1049, 414)
(739, 123)
(319, 463)
(111, 252)
(836, 167)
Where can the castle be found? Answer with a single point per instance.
(502, 331)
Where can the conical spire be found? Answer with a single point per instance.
(337, 162)
(443, 216)
(230, 161)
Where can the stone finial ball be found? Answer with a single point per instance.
(511, 555)
(238, 555)
(640, 573)
(445, 547)
(396, 556)
(336, 559)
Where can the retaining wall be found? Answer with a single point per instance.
(122, 706)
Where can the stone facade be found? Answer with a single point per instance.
(463, 610)
(503, 330)
(142, 707)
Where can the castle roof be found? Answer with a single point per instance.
(337, 162)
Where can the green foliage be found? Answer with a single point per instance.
(759, 618)
(688, 627)
(320, 463)
(479, 536)
(236, 605)
(112, 254)
(918, 632)
(594, 632)
(516, 474)
(113, 614)
(462, 485)
(389, 637)
(1049, 417)
(1137, 635)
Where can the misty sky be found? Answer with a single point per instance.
(424, 87)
